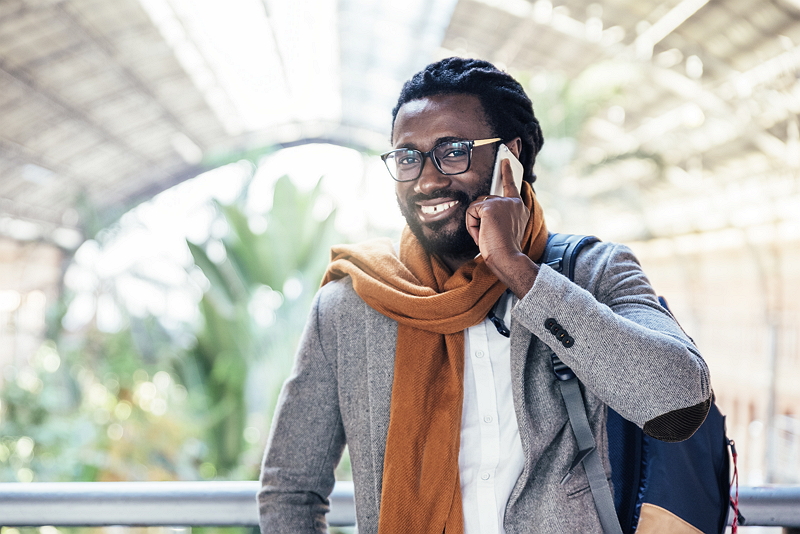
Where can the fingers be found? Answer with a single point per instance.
(507, 174)
(473, 220)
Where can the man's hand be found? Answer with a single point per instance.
(497, 224)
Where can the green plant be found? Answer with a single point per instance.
(252, 313)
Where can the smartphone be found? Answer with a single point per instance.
(516, 168)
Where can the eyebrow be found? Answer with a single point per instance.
(439, 141)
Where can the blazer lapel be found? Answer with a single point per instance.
(380, 343)
(521, 340)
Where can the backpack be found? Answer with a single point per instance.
(689, 478)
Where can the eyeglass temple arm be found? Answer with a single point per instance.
(481, 142)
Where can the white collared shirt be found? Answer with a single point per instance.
(490, 458)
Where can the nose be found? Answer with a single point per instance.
(431, 179)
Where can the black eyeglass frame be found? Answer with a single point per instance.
(429, 154)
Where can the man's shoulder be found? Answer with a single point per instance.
(341, 316)
(338, 295)
(604, 259)
(604, 253)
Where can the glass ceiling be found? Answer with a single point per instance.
(264, 64)
(642, 102)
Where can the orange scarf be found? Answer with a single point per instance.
(421, 488)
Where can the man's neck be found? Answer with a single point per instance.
(455, 262)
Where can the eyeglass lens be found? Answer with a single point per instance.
(449, 158)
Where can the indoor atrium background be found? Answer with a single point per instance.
(172, 173)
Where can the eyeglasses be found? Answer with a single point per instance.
(450, 157)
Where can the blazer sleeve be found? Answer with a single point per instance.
(622, 345)
(306, 441)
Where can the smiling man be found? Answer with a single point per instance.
(430, 359)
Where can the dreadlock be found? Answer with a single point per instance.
(508, 109)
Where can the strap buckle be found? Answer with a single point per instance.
(578, 459)
(561, 370)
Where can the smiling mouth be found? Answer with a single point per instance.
(437, 208)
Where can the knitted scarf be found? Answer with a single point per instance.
(421, 491)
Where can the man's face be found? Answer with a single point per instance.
(435, 204)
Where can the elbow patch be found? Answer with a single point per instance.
(678, 425)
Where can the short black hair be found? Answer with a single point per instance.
(507, 107)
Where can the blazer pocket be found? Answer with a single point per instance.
(580, 486)
(572, 493)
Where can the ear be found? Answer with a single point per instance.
(515, 146)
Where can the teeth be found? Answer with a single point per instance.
(438, 208)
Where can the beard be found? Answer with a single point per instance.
(451, 243)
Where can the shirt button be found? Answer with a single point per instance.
(487, 419)
(479, 354)
(485, 476)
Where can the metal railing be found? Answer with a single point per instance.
(146, 504)
(234, 503)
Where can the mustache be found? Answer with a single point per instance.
(442, 193)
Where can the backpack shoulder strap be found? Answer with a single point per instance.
(560, 253)
(562, 249)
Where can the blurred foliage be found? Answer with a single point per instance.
(86, 410)
(564, 106)
(253, 312)
(142, 402)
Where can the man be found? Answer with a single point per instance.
(452, 426)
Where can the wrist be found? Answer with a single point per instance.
(517, 271)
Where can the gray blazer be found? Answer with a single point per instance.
(629, 353)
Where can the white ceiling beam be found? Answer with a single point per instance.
(113, 62)
(542, 12)
(767, 71)
(173, 30)
(667, 24)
